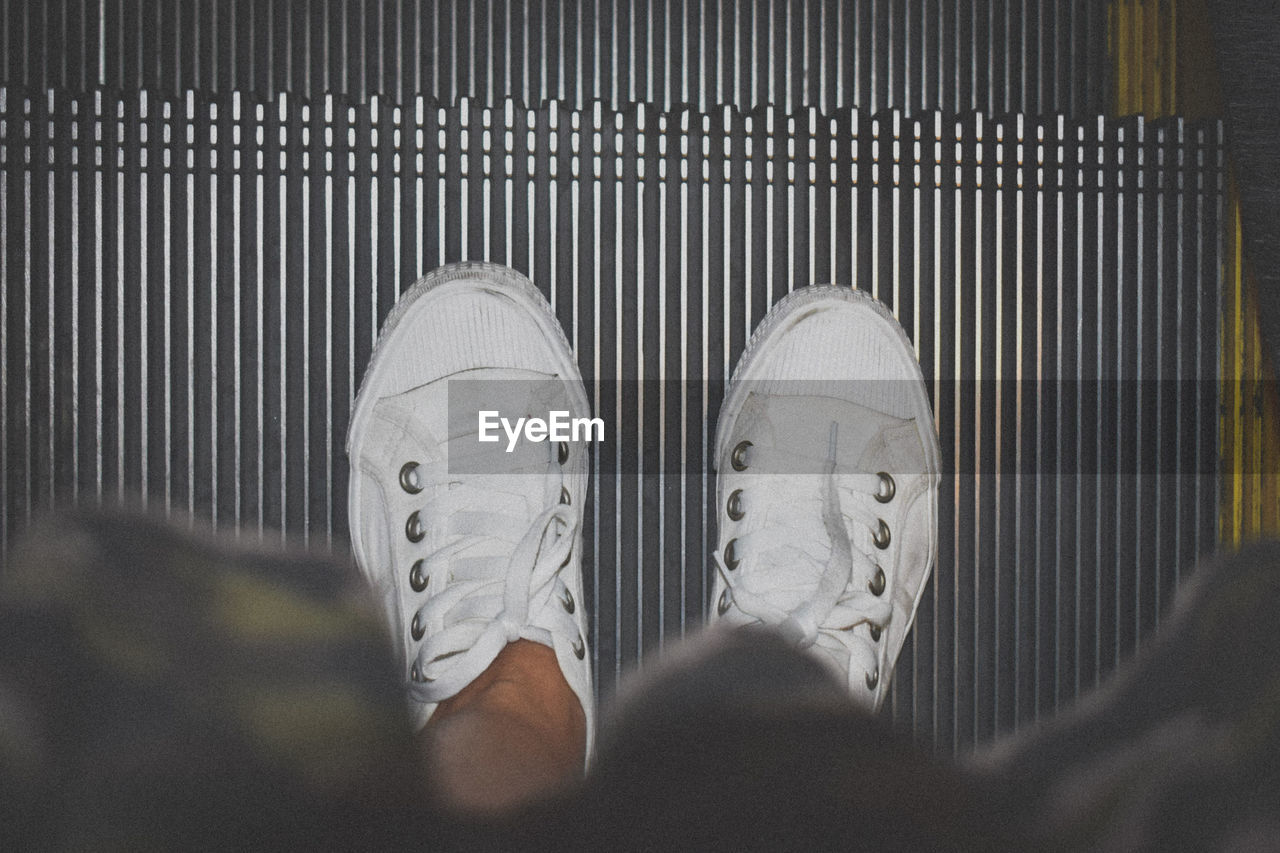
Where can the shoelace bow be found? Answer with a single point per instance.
(470, 621)
(825, 617)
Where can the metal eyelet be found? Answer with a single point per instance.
(876, 584)
(418, 579)
(562, 448)
(579, 648)
(414, 529)
(414, 674)
(409, 480)
(876, 630)
(731, 559)
(873, 678)
(734, 507)
(566, 601)
(722, 607)
(886, 488)
(564, 496)
(417, 629)
(739, 457)
(881, 535)
(567, 557)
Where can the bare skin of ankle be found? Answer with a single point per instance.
(513, 735)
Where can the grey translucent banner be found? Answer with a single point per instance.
(1059, 427)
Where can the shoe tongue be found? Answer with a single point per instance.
(867, 440)
(789, 536)
(791, 547)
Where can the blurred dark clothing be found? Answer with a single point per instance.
(161, 689)
(166, 690)
(1181, 750)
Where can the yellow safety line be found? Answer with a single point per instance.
(1142, 37)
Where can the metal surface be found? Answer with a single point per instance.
(1035, 56)
(192, 287)
(1164, 62)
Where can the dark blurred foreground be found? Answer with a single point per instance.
(163, 690)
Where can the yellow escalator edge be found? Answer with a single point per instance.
(1147, 57)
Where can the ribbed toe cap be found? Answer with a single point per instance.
(460, 325)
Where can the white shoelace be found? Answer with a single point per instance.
(466, 624)
(832, 608)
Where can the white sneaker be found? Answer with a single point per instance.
(828, 484)
(470, 547)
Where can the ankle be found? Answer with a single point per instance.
(516, 733)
